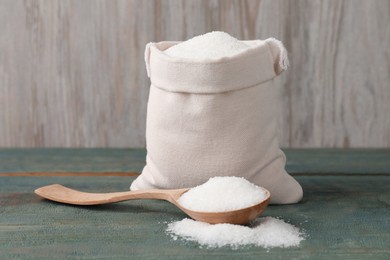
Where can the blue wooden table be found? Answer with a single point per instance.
(345, 210)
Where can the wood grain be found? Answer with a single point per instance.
(67, 174)
(344, 217)
(72, 72)
(67, 162)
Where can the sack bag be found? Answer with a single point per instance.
(215, 117)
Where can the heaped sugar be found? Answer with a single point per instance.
(265, 232)
(221, 194)
(212, 45)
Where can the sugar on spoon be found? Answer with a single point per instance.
(62, 194)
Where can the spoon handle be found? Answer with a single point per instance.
(59, 193)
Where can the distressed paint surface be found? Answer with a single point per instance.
(344, 217)
(62, 160)
(299, 161)
(72, 72)
(344, 213)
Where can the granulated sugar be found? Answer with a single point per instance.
(207, 46)
(265, 232)
(220, 194)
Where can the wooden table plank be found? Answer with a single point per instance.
(344, 212)
(60, 160)
(338, 161)
(345, 217)
(299, 161)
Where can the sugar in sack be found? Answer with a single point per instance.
(212, 111)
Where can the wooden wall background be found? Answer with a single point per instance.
(72, 72)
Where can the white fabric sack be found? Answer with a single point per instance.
(215, 117)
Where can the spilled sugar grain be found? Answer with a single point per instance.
(265, 232)
(221, 194)
(212, 45)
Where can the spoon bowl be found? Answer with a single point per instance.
(62, 194)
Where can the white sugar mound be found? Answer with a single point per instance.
(211, 45)
(266, 232)
(220, 194)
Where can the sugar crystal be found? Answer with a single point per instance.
(220, 194)
(211, 45)
(265, 232)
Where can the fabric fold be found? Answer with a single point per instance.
(210, 75)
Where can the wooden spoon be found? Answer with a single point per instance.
(59, 193)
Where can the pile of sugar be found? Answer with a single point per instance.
(265, 232)
(211, 45)
(220, 194)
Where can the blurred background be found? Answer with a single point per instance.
(72, 72)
